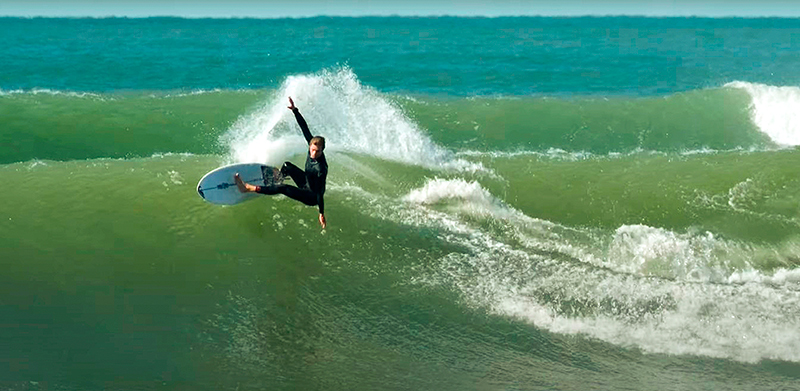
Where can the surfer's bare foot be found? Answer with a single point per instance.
(243, 187)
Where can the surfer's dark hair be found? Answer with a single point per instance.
(318, 141)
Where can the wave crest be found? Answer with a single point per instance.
(774, 110)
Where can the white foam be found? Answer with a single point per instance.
(552, 153)
(632, 249)
(745, 320)
(747, 323)
(775, 110)
(780, 277)
(439, 189)
(352, 118)
(472, 199)
(575, 156)
(46, 91)
(649, 251)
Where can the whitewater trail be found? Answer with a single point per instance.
(699, 303)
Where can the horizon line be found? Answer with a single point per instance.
(420, 16)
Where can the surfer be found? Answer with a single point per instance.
(310, 184)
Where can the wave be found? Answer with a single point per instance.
(646, 287)
(558, 154)
(441, 132)
(113, 95)
(707, 119)
(68, 125)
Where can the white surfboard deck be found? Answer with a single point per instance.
(218, 186)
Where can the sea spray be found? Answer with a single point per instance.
(352, 117)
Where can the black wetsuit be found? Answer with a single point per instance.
(311, 183)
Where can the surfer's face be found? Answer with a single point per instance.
(315, 151)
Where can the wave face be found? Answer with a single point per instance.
(478, 234)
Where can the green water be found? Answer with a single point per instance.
(140, 284)
(512, 204)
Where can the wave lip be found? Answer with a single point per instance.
(774, 110)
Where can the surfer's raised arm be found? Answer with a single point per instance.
(300, 121)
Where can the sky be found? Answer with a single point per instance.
(306, 8)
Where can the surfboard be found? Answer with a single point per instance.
(218, 186)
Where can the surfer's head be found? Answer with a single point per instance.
(316, 146)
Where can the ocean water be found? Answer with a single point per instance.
(513, 204)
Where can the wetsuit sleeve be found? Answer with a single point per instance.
(322, 176)
(303, 125)
(321, 203)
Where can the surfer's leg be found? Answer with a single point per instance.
(270, 190)
(302, 195)
(297, 175)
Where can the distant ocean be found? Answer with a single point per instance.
(599, 203)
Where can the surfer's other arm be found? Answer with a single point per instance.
(321, 204)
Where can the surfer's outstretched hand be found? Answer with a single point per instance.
(322, 221)
(291, 104)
